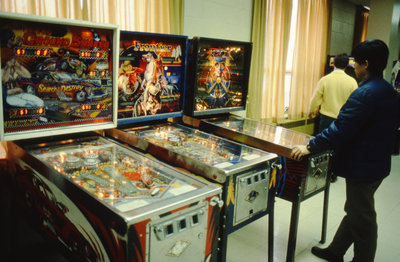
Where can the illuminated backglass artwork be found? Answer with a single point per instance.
(55, 75)
(221, 74)
(151, 75)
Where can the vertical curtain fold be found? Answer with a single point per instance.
(257, 60)
(134, 15)
(103, 11)
(159, 16)
(278, 31)
(309, 54)
(270, 43)
(176, 16)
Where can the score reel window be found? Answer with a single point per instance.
(88, 54)
(32, 52)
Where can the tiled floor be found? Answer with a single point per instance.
(249, 244)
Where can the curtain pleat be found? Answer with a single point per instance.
(278, 31)
(257, 60)
(133, 15)
(309, 54)
(176, 16)
(270, 44)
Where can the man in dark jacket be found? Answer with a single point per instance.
(362, 139)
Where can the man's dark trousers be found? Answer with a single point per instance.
(359, 225)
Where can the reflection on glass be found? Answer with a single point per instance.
(110, 172)
(201, 146)
(274, 134)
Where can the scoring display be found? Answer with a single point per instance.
(32, 52)
(93, 54)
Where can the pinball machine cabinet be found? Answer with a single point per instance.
(152, 94)
(218, 81)
(297, 180)
(106, 202)
(303, 178)
(97, 199)
(242, 172)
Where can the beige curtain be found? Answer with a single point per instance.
(139, 15)
(257, 60)
(133, 15)
(309, 54)
(102, 11)
(267, 78)
(51, 8)
(176, 15)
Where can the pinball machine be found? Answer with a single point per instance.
(98, 199)
(155, 128)
(296, 181)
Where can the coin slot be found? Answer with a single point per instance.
(182, 224)
(249, 180)
(256, 178)
(195, 219)
(170, 229)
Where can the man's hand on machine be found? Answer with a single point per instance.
(298, 151)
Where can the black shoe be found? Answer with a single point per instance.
(326, 254)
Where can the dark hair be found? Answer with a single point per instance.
(375, 52)
(341, 61)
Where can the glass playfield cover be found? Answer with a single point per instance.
(275, 134)
(208, 149)
(113, 174)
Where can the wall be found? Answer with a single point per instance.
(342, 27)
(222, 19)
(383, 24)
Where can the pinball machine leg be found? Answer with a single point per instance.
(271, 231)
(223, 237)
(223, 248)
(294, 221)
(325, 212)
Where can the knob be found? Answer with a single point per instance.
(216, 201)
(275, 165)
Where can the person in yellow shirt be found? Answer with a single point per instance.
(332, 92)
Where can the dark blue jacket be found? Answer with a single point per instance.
(363, 135)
